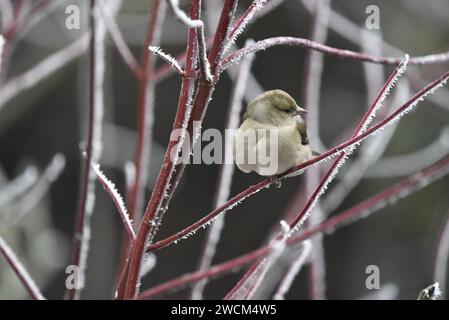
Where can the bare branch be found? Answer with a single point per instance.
(305, 43)
(167, 58)
(116, 197)
(181, 15)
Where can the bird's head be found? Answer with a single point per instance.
(274, 107)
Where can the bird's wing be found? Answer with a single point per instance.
(302, 129)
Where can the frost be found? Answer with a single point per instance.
(116, 198)
(167, 58)
(181, 15)
(256, 6)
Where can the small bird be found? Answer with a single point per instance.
(273, 135)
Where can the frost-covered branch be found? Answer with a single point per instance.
(20, 270)
(116, 197)
(308, 44)
(226, 173)
(167, 58)
(361, 128)
(369, 154)
(86, 200)
(313, 66)
(243, 21)
(182, 16)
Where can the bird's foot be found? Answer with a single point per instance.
(276, 181)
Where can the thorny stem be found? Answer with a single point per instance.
(145, 117)
(204, 91)
(267, 182)
(308, 44)
(226, 172)
(138, 250)
(362, 210)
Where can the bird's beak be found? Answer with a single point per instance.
(300, 111)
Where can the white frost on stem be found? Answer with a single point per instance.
(287, 282)
(182, 16)
(116, 198)
(167, 58)
(362, 128)
(94, 143)
(20, 270)
(226, 174)
(432, 292)
(204, 60)
(255, 7)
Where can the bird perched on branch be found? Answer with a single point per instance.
(273, 135)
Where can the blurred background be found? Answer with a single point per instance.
(48, 118)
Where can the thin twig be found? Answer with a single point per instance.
(181, 15)
(20, 270)
(308, 44)
(226, 173)
(313, 66)
(181, 119)
(111, 189)
(86, 199)
(144, 128)
(167, 58)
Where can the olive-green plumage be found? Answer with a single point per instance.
(273, 115)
